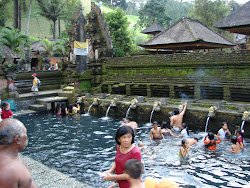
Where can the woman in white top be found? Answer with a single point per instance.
(223, 131)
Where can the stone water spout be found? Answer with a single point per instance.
(96, 101)
(112, 104)
(245, 117)
(156, 107)
(132, 105)
(211, 114)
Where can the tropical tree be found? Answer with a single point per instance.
(153, 11)
(14, 40)
(121, 38)
(209, 12)
(51, 9)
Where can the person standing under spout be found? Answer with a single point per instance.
(176, 119)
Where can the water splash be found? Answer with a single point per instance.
(127, 113)
(151, 115)
(242, 125)
(90, 107)
(207, 124)
(107, 112)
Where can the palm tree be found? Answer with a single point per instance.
(51, 9)
(14, 40)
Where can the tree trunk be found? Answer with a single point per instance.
(15, 24)
(54, 37)
(59, 27)
(28, 22)
(20, 15)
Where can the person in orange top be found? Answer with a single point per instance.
(211, 143)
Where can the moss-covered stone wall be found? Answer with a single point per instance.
(220, 75)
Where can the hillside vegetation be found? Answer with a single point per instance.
(40, 27)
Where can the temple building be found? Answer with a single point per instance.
(237, 22)
(187, 34)
(153, 29)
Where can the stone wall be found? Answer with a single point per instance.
(220, 75)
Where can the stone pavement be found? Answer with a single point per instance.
(46, 177)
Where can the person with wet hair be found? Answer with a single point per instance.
(64, 110)
(176, 119)
(165, 129)
(239, 133)
(155, 132)
(13, 139)
(235, 146)
(184, 150)
(184, 132)
(125, 150)
(132, 123)
(211, 143)
(134, 169)
(223, 131)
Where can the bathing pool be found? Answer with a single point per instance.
(81, 146)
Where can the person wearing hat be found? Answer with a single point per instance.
(35, 84)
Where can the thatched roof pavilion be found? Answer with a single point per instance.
(153, 29)
(238, 21)
(6, 52)
(187, 34)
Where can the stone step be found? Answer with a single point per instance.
(24, 112)
(51, 99)
(38, 107)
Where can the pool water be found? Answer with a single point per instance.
(81, 146)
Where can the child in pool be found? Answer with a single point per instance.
(211, 143)
(134, 169)
(6, 111)
(239, 133)
(165, 130)
(235, 146)
(184, 149)
(71, 111)
(155, 132)
(184, 132)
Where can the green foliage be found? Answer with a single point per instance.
(209, 12)
(14, 40)
(176, 9)
(51, 49)
(121, 38)
(3, 11)
(153, 11)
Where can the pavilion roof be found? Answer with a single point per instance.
(187, 34)
(153, 29)
(238, 21)
(7, 52)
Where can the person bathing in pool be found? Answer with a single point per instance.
(155, 132)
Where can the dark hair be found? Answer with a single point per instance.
(241, 132)
(184, 125)
(122, 131)
(211, 136)
(70, 108)
(130, 118)
(223, 123)
(63, 106)
(196, 138)
(58, 106)
(234, 139)
(183, 142)
(5, 104)
(155, 122)
(165, 124)
(133, 168)
(176, 111)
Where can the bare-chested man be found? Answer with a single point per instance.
(176, 119)
(155, 132)
(13, 139)
(132, 123)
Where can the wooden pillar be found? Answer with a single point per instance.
(157, 52)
